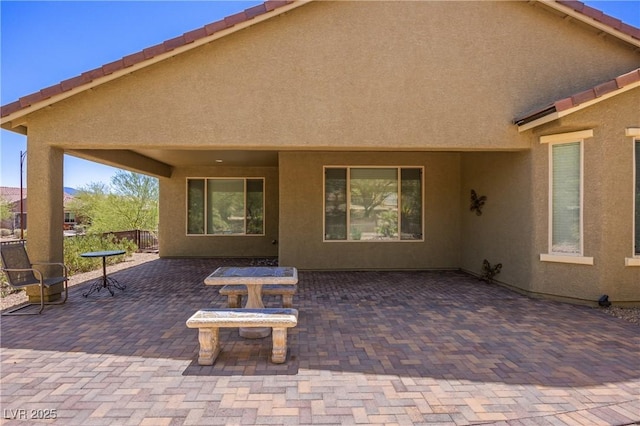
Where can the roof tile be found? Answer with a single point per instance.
(563, 104)
(214, 27)
(575, 5)
(174, 43)
(252, 12)
(630, 30)
(94, 73)
(50, 91)
(582, 97)
(153, 51)
(628, 78)
(133, 59)
(112, 67)
(9, 109)
(274, 4)
(74, 82)
(194, 35)
(235, 19)
(31, 99)
(604, 88)
(591, 12)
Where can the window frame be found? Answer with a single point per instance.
(348, 203)
(634, 133)
(561, 139)
(205, 204)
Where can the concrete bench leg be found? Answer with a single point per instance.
(287, 300)
(279, 352)
(209, 345)
(235, 301)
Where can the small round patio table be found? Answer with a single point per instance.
(104, 281)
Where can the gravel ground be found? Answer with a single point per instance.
(631, 315)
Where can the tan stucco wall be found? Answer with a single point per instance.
(173, 223)
(301, 214)
(377, 76)
(502, 234)
(608, 205)
(335, 75)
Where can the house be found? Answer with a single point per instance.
(12, 196)
(350, 136)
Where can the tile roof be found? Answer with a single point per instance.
(11, 194)
(599, 92)
(144, 55)
(229, 22)
(601, 17)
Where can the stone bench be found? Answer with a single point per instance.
(209, 321)
(234, 293)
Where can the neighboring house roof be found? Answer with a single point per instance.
(11, 113)
(12, 195)
(578, 101)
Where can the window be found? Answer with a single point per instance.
(637, 198)
(566, 199)
(225, 206)
(566, 238)
(634, 260)
(373, 203)
(69, 217)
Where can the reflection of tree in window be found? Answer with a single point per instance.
(255, 209)
(335, 201)
(374, 203)
(411, 204)
(195, 201)
(225, 206)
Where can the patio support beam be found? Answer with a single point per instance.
(125, 159)
(45, 211)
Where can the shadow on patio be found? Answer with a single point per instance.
(420, 324)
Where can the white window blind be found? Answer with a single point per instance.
(566, 199)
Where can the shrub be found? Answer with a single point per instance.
(5, 232)
(75, 246)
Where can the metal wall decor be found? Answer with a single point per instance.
(488, 271)
(477, 202)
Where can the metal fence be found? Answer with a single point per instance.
(145, 240)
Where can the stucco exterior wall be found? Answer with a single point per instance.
(502, 234)
(173, 217)
(301, 214)
(608, 205)
(341, 75)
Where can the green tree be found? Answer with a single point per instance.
(5, 211)
(130, 203)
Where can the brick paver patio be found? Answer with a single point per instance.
(370, 348)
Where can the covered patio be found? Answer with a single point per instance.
(411, 347)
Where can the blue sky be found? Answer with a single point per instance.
(45, 42)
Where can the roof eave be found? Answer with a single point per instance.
(592, 21)
(16, 121)
(554, 113)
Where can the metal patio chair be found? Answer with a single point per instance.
(20, 273)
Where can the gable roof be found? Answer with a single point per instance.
(144, 58)
(578, 101)
(12, 114)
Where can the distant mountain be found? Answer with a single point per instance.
(70, 191)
